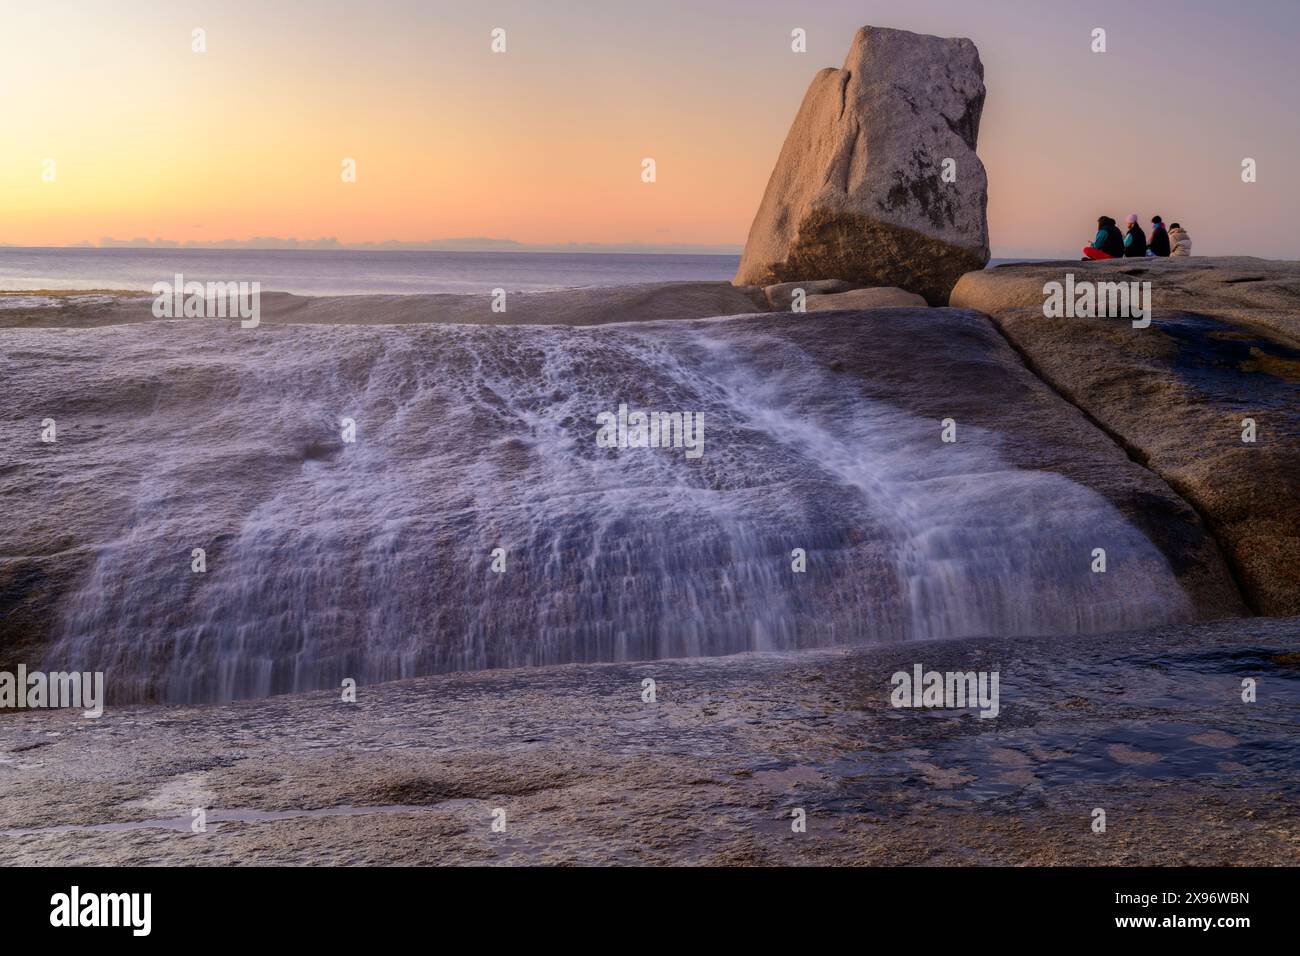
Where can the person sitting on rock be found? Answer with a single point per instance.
(1158, 244)
(1108, 243)
(1182, 242)
(1135, 240)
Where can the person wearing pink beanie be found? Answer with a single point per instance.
(1135, 240)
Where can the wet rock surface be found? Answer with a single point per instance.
(326, 560)
(1223, 347)
(1148, 726)
(950, 364)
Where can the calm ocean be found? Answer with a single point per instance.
(345, 272)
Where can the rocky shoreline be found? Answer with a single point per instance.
(1148, 724)
(1149, 418)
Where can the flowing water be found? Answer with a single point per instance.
(371, 559)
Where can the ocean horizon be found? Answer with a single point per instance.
(355, 272)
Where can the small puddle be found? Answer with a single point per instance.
(1233, 366)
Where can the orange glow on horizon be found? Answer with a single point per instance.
(543, 143)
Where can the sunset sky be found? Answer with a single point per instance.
(543, 144)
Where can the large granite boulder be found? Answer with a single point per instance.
(1223, 346)
(858, 191)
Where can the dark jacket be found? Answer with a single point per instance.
(1135, 242)
(1114, 243)
(1159, 242)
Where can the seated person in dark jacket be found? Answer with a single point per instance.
(1135, 240)
(1158, 244)
(1108, 243)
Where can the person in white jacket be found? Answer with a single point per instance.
(1180, 243)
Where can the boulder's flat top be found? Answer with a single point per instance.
(1264, 292)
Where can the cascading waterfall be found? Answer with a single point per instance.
(371, 559)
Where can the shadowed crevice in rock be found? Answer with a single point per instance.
(967, 126)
